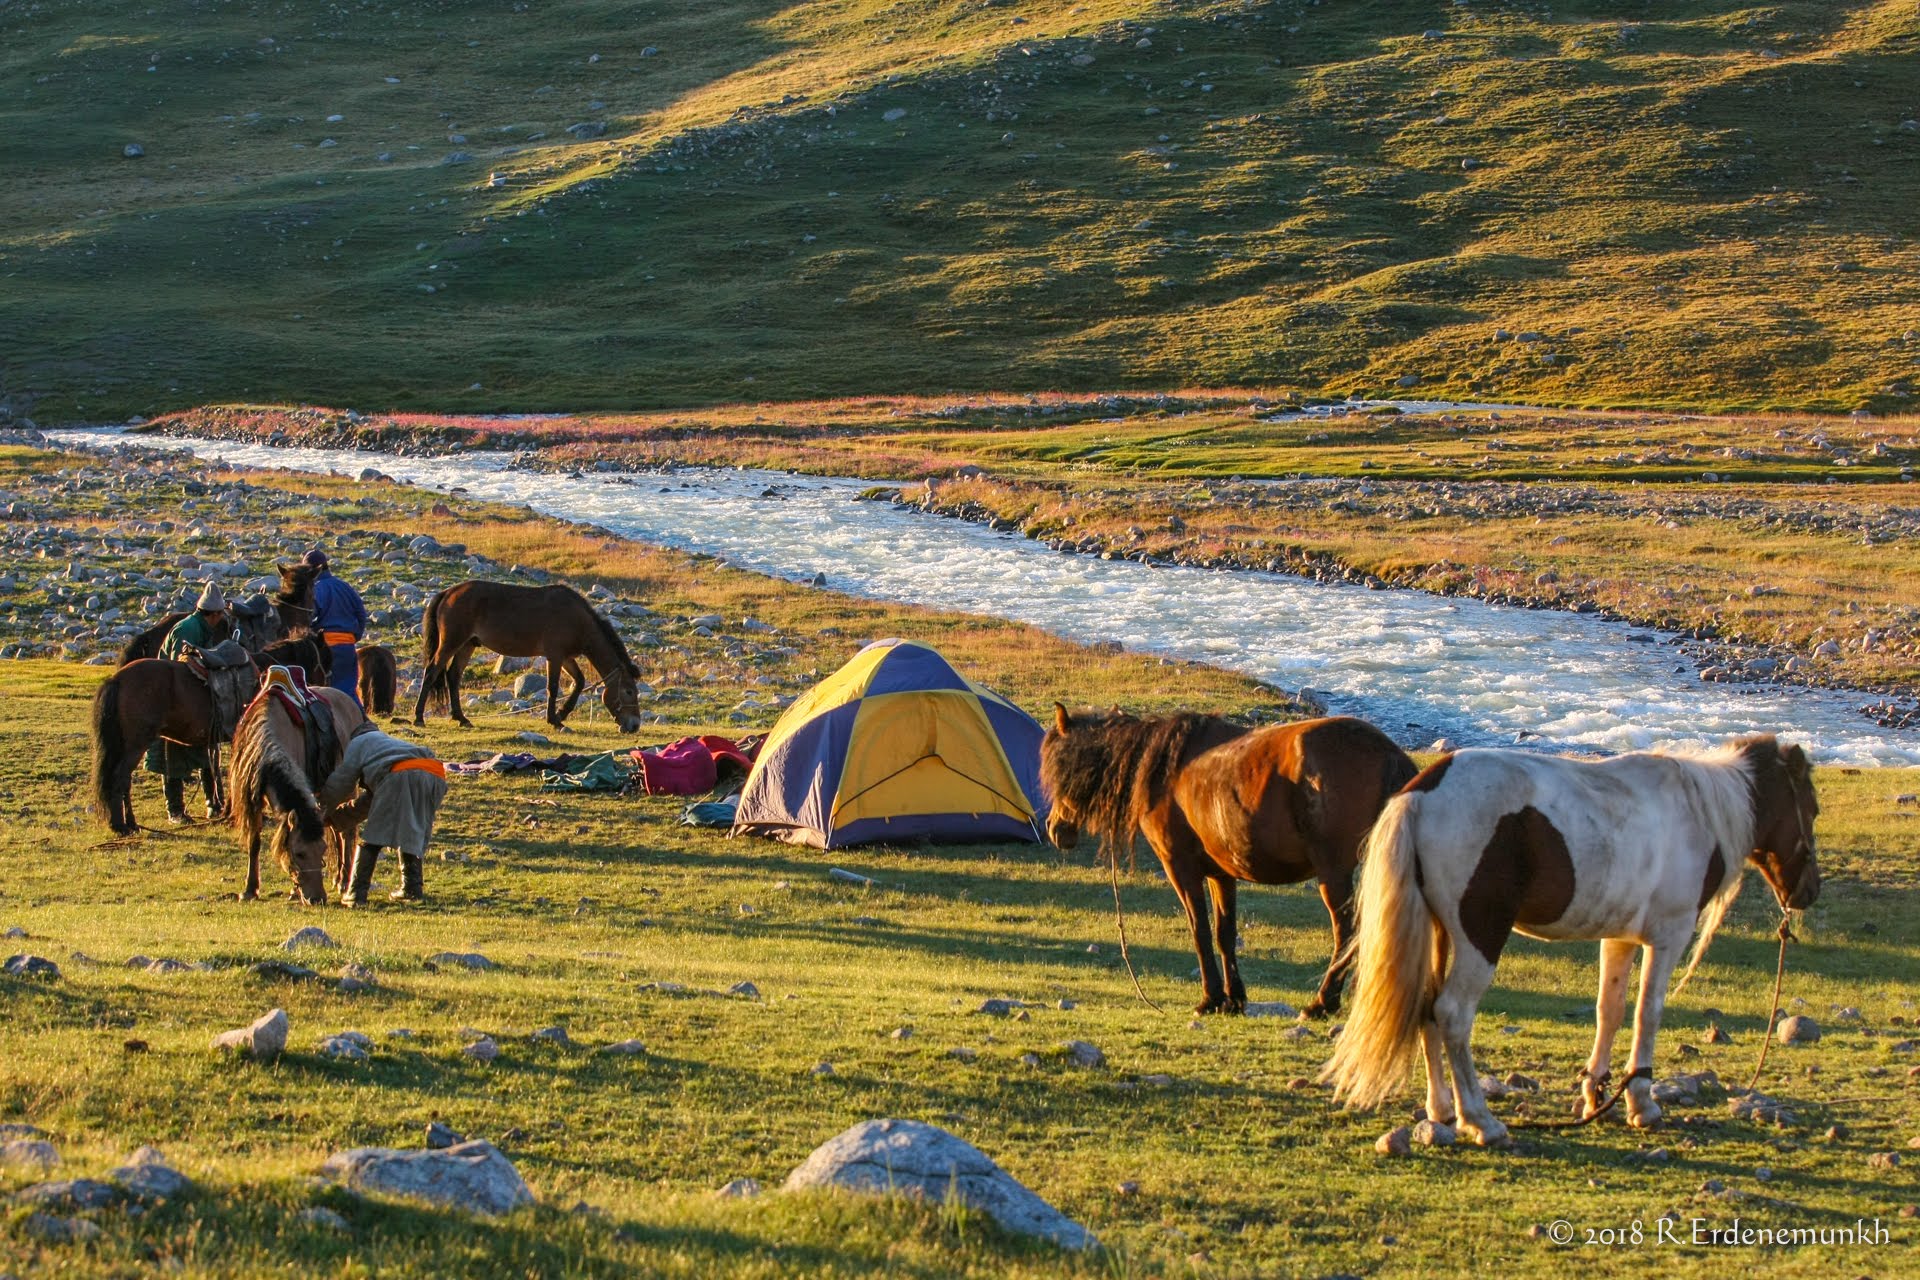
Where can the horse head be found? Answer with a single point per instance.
(621, 696)
(257, 623)
(295, 597)
(300, 845)
(1784, 809)
(1060, 781)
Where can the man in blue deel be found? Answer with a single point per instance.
(341, 620)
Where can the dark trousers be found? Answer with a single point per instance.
(346, 670)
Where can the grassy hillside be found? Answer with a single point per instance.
(1703, 202)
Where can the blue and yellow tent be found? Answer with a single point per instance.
(896, 745)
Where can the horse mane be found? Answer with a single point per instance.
(1723, 781)
(1112, 769)
(611, 636)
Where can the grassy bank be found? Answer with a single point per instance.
(607, 917)
(597, 205)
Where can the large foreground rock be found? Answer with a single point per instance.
(906, 1156)
(472, 1176)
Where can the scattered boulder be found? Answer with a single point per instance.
(920, 1160)
(1082, 1054)
(473, 1176)
(38, 968)
(464, 959)
(1395, 1142)
(28, 1153)
(746, 990)
(740, 1189)
(308, 937)
(1798, 1029)
(1271, 1009)
(69, 1196)
(485, 1049)
(553, 1035)
(148, 1178)
(282, 971)
(623, 1048)
(264, 1040)
(348, 1046)
(50, 1228)
(323, 1219)
(1431, 1133)
(439, 1137)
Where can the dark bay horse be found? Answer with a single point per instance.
(275, 772)
(379, 679)
(150, 698)
(1220, 803)
(554, 622)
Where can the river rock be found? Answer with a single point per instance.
(916, 1159)
(1798, 1029)
(473, 1176)
(263, 1041)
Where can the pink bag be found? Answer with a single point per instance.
(682, 768)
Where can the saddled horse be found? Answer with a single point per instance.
(379, 679)
(283, 749)
(145, 700)
(553, 622)
(255, 622)
(1221, 803)
(1637, 851)
(150, 698)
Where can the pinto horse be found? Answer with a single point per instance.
(1221, 803)
(1634, 851)
(274, 775)
(554, 622)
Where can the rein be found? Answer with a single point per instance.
(1779, 976)
(1644, 1073)
(1120, 919)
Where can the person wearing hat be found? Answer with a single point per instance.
(341, 619)
(175, 762)
(405, 785)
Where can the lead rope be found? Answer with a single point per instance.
(1779, 976)
(1645, 1073)
(1120, 919)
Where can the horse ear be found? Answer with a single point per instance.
(1060, 720)
(1796, 758)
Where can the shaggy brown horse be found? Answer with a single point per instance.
(149, 699)
(553, 622)
(379, 679)
(1221, 803)
(294, 600)
(276, 771)
(255, 622)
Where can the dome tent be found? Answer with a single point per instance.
(896, 745)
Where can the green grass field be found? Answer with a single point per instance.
(589, 906)
(1702, 203)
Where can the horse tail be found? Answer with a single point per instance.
(432, 686)
(109, 745)
(378, 679)
(1397, 952)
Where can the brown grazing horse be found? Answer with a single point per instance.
(379, 679)
(1221, 803)
(273, 775)
(149, 699)
(555, 623)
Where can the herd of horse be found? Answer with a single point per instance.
(1640, 851)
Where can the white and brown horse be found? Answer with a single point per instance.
(274, 776)
(1634, 852)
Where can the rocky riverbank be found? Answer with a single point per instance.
(1155, 532)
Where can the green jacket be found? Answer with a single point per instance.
(193, 630)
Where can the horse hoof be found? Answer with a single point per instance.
(1316, 1011)
(1210, 1006)
(247, 896)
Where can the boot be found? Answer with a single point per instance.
(411, 888)
(176, 789)
(364, 856)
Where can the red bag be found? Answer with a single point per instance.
(682, 768)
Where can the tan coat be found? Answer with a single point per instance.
(404, 804)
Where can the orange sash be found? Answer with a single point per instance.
(431, 766)
(338, 637)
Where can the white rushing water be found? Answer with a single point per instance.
(1418, 665)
